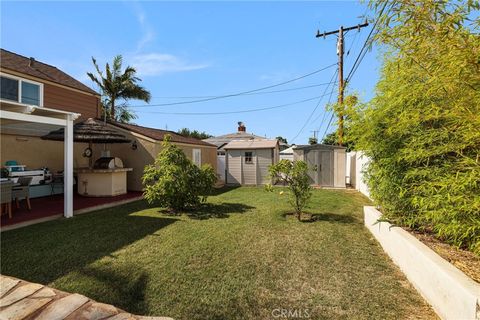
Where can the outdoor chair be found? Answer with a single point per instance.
(22, 191)
(6, 197)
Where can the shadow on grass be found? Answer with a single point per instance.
(124, 287)
(212, 210)
(224, 189)
(327, 216)
(48, 251)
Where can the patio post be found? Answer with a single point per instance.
(68, 168)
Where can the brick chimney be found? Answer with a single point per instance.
(241, 127)
(32, 61)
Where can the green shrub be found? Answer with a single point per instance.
(421, 130)
(175, 182)
(295, 175)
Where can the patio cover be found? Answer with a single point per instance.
(33, 114)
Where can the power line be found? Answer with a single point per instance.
(328, 126)
(236, 94)
(248, 94)
(232, 112)
(315, 109)
(325, 113)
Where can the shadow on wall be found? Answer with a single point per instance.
(48, 251)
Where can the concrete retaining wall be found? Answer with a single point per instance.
(451, 293)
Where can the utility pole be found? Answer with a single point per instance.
(341, 85)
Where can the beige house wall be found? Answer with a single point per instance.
(36, 153)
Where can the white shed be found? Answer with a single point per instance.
(287, 154)
(327, 164)
(247, 162)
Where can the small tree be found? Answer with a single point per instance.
(295, 175)
(175, 182)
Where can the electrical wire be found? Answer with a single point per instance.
(316, 107)
(328, 126)
(249, 94)
(232, 112)
(362, 53)
(236, 94)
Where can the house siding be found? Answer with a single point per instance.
(61, 98)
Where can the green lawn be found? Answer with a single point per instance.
(244, 258)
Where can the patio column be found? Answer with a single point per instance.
(68, 169)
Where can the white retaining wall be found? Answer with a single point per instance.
(451, 293)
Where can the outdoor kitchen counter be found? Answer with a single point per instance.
(102, 182)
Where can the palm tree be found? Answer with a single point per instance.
(116, 85)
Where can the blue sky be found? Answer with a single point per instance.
(190, 49)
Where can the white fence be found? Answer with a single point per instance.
(356, 162)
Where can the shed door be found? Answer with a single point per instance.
(311, 157)
(325, 168)
(234, 167)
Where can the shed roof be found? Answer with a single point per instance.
(22, 64)
(288, 150)
(251, 144)
(222, 140)
(158, 134)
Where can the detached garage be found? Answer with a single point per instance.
(327, 164)
(247, 162)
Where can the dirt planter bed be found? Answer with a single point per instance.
(450, 292)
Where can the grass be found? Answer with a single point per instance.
(241, 257)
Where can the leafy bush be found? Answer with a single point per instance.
(175, 182)
(421, 131)
(295, 175)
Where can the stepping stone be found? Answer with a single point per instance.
(23, 309)
(93, 311)
(44, 293)
(122, 316)
(19, 293)
(63, 307)
(6, 284)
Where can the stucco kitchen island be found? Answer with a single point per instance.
(102, 182)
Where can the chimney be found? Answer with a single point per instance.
(32, 61)
(241, 127)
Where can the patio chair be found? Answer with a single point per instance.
(22, 191)
(6, 197)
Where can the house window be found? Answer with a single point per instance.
(197, 157)
(9, 89)
(30, 93)
(249, 157)
(21, 91)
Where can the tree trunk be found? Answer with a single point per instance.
(112, 109)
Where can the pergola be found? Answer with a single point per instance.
(12, 112)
